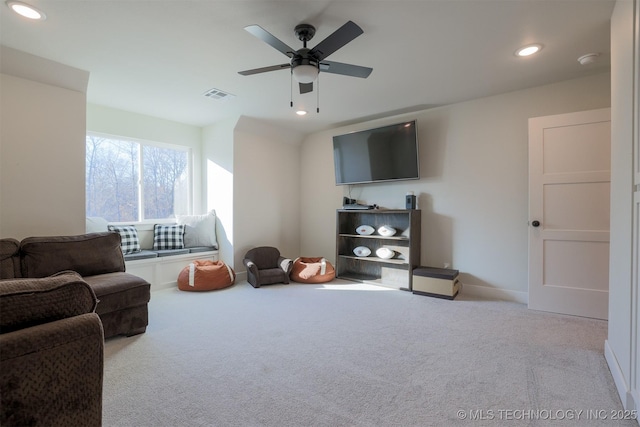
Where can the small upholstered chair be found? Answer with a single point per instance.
(266, 266)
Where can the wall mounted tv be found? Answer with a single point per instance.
(387, 153)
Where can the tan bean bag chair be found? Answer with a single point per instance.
(312, 270)
(206, 276)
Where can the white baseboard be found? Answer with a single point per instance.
(629, 401)
(486, 292)
(241, 276)
(635, 396)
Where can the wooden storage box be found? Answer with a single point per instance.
(436, 282)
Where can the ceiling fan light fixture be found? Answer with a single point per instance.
(26, 10)
(301, 112)
(305, 73)
(529, 50)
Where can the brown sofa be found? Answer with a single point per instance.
(97, 257)
(51, 352)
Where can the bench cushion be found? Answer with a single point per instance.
(143, 254)
(434, 272)
(169, 252)
(201, 249)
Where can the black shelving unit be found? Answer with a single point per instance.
(395, 272)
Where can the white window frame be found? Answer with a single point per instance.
(141, 143)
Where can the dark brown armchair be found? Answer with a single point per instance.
(266, 266)
(51, 352)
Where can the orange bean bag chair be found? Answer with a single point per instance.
(205, 276)
(312, 270)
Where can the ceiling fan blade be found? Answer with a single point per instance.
(336, 40)
(264, 69)
(305, 88)
(270, 39)
(345, 69)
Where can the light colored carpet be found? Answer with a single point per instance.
(348, 354)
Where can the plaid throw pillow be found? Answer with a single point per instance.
(129, 242)
(168, 237)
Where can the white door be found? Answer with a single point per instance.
(569, 184)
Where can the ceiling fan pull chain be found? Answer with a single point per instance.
(291, 89)
(318, 95)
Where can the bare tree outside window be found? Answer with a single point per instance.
(113, 177)
(162, 170)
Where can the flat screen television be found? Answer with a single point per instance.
(387, 153)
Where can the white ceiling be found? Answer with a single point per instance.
(158, 57)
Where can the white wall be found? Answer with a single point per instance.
(266, 188)
(620, 352)
(219, 180)
(41, 159)
(473, 190)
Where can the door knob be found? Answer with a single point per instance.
(535, 223)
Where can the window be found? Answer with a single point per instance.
(131, 181)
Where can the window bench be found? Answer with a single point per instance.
(161, 268)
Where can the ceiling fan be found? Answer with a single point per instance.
(307, 63)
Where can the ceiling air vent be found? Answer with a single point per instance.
(218, 94)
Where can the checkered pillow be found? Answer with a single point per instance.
(129, 242)
(168, 237)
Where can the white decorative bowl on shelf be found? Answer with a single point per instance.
(386, 231)
(362, 251)
(385, 253)
(365, 230)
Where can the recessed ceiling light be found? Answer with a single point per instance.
(301, 112)
(26, 10)
(529, 50)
